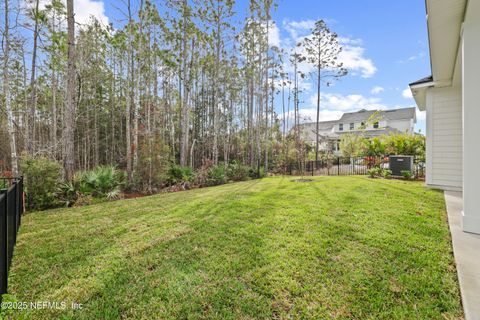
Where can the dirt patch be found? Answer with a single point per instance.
(302, 180)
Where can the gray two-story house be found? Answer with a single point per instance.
(388, 121)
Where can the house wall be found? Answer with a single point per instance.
(401, 125)
(471, 117)
(444, 138)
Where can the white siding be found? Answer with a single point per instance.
(471, 122)
(401, 125)
(444, 138)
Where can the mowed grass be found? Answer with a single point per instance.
(334, 248)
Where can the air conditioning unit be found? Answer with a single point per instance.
(397, 164)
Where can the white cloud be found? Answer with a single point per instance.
(351, 102)
(352, 55)
(377, 90)
(350, 41)
(274, 35)
(353, 59)
(84, 9)
(407, 93)
(296, 29)
(418, 56)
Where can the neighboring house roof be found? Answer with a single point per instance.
(364, 115)
(326, 128)
(322, 125)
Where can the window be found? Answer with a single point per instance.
(352, 126)
(375, 125)
(340, 127)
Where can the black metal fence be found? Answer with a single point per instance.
(11, 210)
(342, 166)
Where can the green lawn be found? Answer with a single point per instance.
(337, 247)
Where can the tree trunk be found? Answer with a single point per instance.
(69, 125)
(129, 98)
(318, 101)
(266, 97)
(6, 93)
(54, 114)
(183, 99)
(33, 86)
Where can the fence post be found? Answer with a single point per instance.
(338, 166)
(11, 209)
(3, 243)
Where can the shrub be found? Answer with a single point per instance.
(407, 174)
(180, 175)
(351, 144)
(256, 173)
(101, 182)
(67, 194)
(42, 179)
(374, 172)
(405, 144)
(216, 175)
(387, 173)
(237, 171)
(373, 146)
(153, 164)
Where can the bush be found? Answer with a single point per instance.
(405, 144)
(256, 173)
(42, 179)
(67, 194)
(379, 172)
(407, 174)
(216, 175)
(395, 144)
(153, 164)
(237, 172)
(101, 182)
(387, 173)
(374, 172)
(180, 175)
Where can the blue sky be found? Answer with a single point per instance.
(385, 48)
(391, 36)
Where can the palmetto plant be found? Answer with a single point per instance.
(102, 182)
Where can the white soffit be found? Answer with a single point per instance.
(445, 19)
(420, 95)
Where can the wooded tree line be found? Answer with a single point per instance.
(180, 82)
